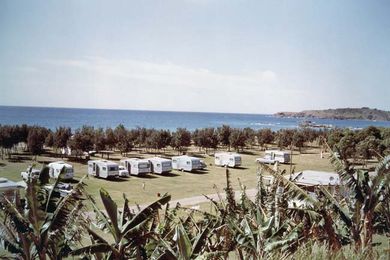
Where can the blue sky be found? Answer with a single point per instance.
(195, 55)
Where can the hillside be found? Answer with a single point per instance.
(364, 113)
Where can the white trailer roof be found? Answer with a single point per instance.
(186, 157)
(103, 162)
(159, 159)
(134, 160)
(226, 153)
(314, 178)
(60, 163)
(6, 184)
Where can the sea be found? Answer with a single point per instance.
(77, 117)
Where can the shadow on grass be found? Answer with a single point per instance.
(145, 176)
(200, 172)
(169, 174)
(44, 162)
(118, 179)
(248, 153)
(307, 152)
(2, 164)
(196, 155)
(239, 168)
(78, 160)
(19, 159)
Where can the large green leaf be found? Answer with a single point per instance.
(146, 213)
(294, 191)
(201, 240)
(21, 224)
(112, 212)
(287, 240)
(183, 242)
(93, 249)
(340, 210)
(52, 191)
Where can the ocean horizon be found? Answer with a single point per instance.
(53, 117)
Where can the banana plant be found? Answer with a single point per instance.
(182, 246)
(129, 231)
(366, 198)
(46, 226)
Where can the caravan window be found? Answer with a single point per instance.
(104, 168)
(175, 161)
(143, 165)
(158, 165)
(188, 163)
(113, 168)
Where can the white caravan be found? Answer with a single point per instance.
(160, 165)
(56, 167)
(186, 163)
(136, 166)
(9, 189)
(103, 168)
(227, 159)
(272, 156)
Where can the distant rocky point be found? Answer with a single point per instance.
(363, 113)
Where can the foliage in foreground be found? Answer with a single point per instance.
(44, 225)
(283, 221)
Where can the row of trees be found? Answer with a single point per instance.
(281, 219)
(89, 138)
(364, 143)
(33, 137)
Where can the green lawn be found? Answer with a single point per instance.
(178, 184)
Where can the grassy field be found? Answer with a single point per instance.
(178, 184)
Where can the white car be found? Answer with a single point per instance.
(203, 165)
(63, 189)
(123, 172)
(30, 173)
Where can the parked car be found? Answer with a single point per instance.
(30, 173)
(203, 165)
(62, 189)
(123, 172)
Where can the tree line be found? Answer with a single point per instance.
(365, 143)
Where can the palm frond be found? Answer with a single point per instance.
(93, 249)
(112, 212)
(294, 192)
(21, 224)
(146, 213)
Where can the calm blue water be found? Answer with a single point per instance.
(75, 118)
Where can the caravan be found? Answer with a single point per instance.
(160, 165)
(227, 159)
(272, 156)
(56, 167)
(186, 163)
(9, 190)
(136, 166)
(103, 168)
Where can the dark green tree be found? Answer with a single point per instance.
(224, 133)
(265, 136)
(181, 139)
